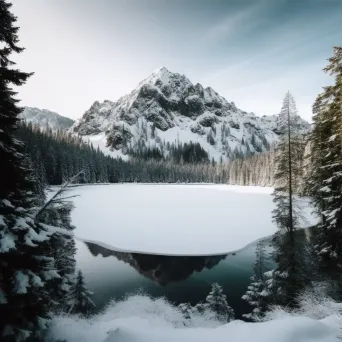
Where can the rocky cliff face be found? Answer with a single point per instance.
(166, 108)
(46, 119)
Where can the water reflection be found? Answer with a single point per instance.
(114, 275)
(161, 269)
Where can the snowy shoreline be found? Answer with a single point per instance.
(115, 249)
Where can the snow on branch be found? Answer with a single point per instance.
(54, 198)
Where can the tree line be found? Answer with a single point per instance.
(305, 264)
(57, 156)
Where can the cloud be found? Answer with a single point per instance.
(252, 91)
(245, 19)
(288, 57)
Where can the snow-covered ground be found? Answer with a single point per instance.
(174, 219)
(142, 319)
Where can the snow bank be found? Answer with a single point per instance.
(174, 219)
(143, 319)
(313, 303)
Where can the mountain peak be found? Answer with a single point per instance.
(167, 109)
(45, 118)
(162, 70)
(164, 77)
(161, 73)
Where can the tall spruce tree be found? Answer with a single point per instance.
(79, 298)
(187, 311)
(216, 301)
(259, 291)
(289, 276)
(25, 270)
(325, 174)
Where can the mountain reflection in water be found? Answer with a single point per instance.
(162, 269)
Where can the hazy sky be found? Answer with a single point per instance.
(249, 51)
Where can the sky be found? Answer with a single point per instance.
(250, 51)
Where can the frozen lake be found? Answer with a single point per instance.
(170, 219)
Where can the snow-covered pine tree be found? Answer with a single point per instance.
(199, 308)
(216, 301)
(62, 248)
(289, 276)
(24, 268)
(187, 310)
(326, 173)
(79, 299)
(259, 291)
(299, 146)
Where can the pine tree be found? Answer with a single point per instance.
(259, 290)
(62, 248)
(289, 276)
(79, 299)
(25, 271)
(326, 173)
(216, 301)
(186, 310)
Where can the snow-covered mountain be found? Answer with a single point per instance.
(45, 118)
(167, 108)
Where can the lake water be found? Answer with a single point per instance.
(114, 275)
(172, 219)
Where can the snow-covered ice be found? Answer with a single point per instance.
(174, 219)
